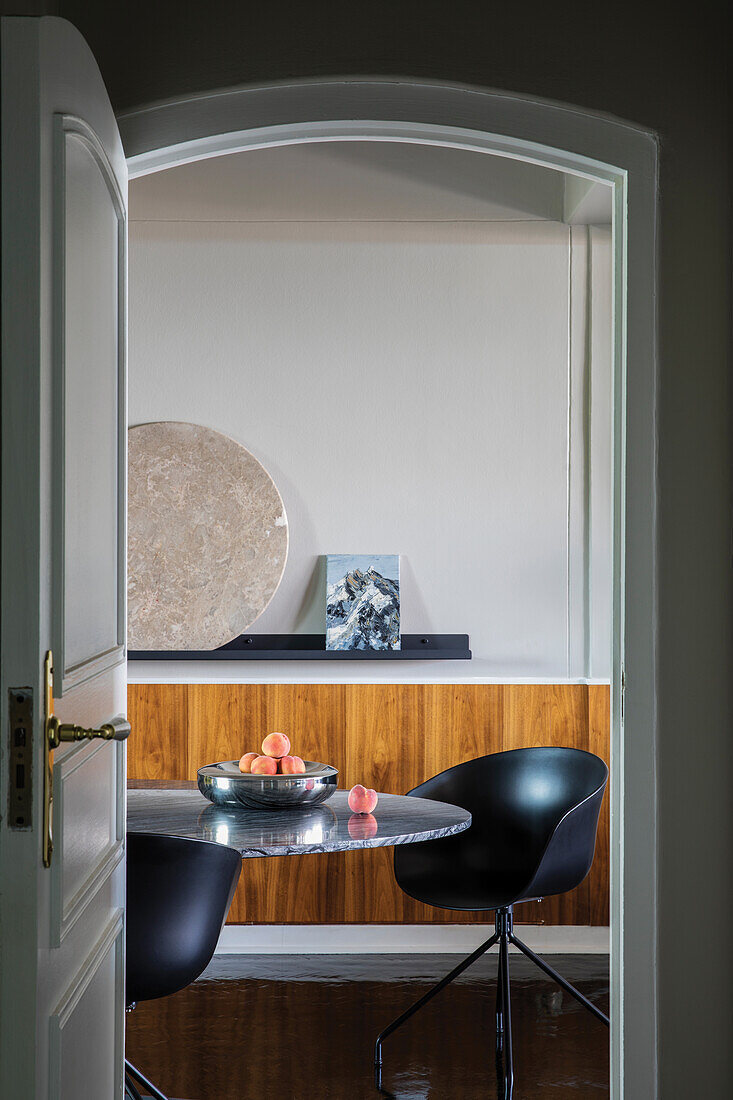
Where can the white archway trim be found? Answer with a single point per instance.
(266, 137)
(175, 132)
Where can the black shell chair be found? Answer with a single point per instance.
(178, 896)
(533, 834)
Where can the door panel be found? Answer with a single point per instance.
(89, 828)
(89, 245)
(88, 1008)
(63, 202)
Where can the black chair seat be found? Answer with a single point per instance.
(453, 889)
(178, 896)
(533, 833)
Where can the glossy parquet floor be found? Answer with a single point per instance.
(303, 1028)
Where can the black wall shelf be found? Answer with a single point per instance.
(312, 647)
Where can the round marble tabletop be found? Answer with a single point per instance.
(330, 827)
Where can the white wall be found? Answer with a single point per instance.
(416, 382)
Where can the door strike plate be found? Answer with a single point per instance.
(20, 758)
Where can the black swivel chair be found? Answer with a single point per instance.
(178, 896)
(533, 834)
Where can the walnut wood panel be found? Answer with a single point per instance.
(549, 714)
(461, 722)
(599, 742)
(158, 744)
(389, 736)
(223, 722)
(313, 886)
(226, 720)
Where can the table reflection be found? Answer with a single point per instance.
(265, 829)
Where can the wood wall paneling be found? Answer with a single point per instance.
(599, 742)
(224, 722)
(159, 743)
(549, 714)
(389, 736)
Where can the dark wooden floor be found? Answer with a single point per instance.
(300, 1027)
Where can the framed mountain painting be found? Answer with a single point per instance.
(363, 601)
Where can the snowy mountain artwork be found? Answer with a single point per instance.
(363, 601)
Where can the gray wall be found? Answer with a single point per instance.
(403, 342)
(662, 68)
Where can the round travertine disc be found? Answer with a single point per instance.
(207, 537)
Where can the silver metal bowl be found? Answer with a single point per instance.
(224, 785)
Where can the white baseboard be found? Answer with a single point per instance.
(357, 939)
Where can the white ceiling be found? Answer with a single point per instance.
(355, 181)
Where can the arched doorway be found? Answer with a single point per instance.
(163, 135)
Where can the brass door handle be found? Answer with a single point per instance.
(57, 732)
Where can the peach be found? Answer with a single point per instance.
(264, 765)
(276, 744)
(362, 826)
(362, 800)
(291, 765)
(245, 764)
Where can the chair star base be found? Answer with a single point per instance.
(503, 936)
(133, 1076)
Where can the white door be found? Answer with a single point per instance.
(63, 226)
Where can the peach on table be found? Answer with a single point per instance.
(362, 800)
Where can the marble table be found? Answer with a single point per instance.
(330, 827)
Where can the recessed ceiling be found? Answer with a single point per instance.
(357, 181)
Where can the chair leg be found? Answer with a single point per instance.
(559, 979)
(499, 1012)
(499, 1034)
(130, 1090)
(424, 1000)
(506, 1013)
(134, 1073)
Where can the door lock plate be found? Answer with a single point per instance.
(20, 758)
(47, 762)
